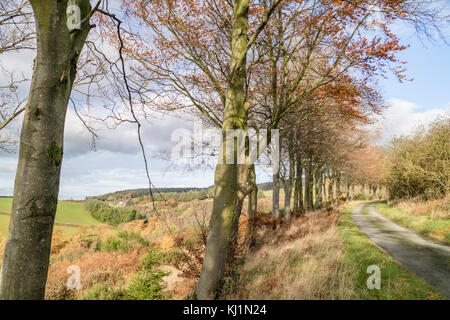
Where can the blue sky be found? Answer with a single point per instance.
(417, 102)
(429, 66)
(117, 164)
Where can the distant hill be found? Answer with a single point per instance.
(179, 194)
(187, 193)
(265, 186)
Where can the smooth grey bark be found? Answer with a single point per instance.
(287, 201)
(273, 59)
(295, 200)
(243, 191)
(308, 185)
(288, 186)
(36, 187)
(298, 192)
(220, 228)
(226, 175)
(323, 191)
(276, 188)
(253, 196)
(252, 204)
(348, 198)
(311, 187)
(276, 194)
(338, 187)
(235, 227)
(318, 184)
(330, 188)
(316, 189)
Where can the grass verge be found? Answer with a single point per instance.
(397, 283)
(426, 225)
(296, 262)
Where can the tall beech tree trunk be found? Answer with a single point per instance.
(330, 188)
(276, 187)
(311, 187)
(348, 191)
(253, 196)
(276, 193)
(288, 185)
(26, 257)
(296, 202)
(318, 183)
(252, 202)
(276, 110)
(308, 187)
(226, 175)
(323, 191)
(243, 191)
(298, 185)
(287, 200)
(338, 187)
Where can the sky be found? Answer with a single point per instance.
(117, 162)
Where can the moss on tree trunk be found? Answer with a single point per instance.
(26, 257)
(226, 175)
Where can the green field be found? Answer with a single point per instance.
(5, 204)
(67, 212)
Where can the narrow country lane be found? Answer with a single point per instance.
(426, 258)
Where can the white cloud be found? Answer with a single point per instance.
(156, 134)
(101, 172)
(117, 164)
(403, 117)
(7, 173)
